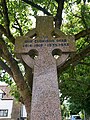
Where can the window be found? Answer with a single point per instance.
(2, 93)
(3, 113)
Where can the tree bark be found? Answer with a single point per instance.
(58, 18)
(17, 76)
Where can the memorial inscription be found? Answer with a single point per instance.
(48, 43)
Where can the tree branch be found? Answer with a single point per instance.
(6, 68)
(28, 76)
(6, 30)
(57, 1)
(3, 30)
(58, 18)
(37, 6)
(75, 59)
(11, 62)
(82, 34)
(10, 37)
(83, 63)
(83, 18)
(17, 75)
(19, 27)
(6, 18)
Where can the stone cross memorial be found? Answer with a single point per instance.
(39, 49)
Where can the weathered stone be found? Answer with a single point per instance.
(37, 49)
(45, 97)
(45, 35)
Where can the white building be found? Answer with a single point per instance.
(9, 108)
(6, 108)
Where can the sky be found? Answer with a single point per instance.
(2, 83)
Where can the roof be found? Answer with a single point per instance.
(1, 91)
(5, 89)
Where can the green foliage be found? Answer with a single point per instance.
(75, 84)
(49, 5)
(19, 11)
(72, 19)
(78, 1)
(4, 77)
(65, 111)
(14, 92)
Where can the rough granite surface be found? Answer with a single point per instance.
(37, 49)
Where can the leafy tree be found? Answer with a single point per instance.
(73, 18)
(75, 86)
(65, 111)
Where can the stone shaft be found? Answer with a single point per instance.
(45, 95)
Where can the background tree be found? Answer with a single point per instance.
(73, 18)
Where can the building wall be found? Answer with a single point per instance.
(23, 112)
(15, 109)
(6, 105)
(10, 104)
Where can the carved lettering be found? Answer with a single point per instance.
(48, 43)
